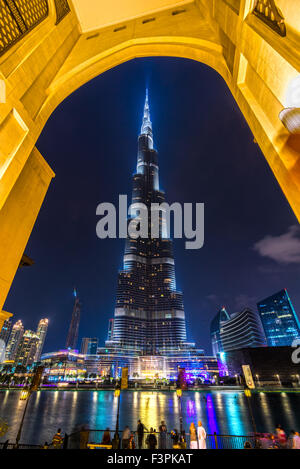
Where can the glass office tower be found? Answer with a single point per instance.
(215, 330)
(89, 345)
(242, 330)
(236, 331)
(149, 315)
(279, 319)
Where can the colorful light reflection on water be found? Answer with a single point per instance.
(223, 412)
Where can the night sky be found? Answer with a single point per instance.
(206, 154)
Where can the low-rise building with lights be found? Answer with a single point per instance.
(64, 365)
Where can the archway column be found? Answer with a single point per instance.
(18, 215)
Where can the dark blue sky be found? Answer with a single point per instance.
(206, 154)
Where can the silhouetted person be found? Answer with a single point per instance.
(295, 440)
(131, 443)
(162, 435)
(175, 437)
(57, 440)
(126, 437)
(151, 440)
(281, 436)
(140, 433)
(84, 436)
(106, 437)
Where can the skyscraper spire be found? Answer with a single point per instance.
(146, 128)
(74, 325)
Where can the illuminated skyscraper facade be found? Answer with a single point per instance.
(149, 316)
(279, 319)
(41, 333)
(89, 346)
(72, 337)
(6, 330)
(242, 330)
(14, 340)
(27, 349)
(236, 331)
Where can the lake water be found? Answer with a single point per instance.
(224, 412)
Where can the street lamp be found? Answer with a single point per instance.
(25, 395)
(179, 394)
(257, 378)
(278, 377)
(116, 439)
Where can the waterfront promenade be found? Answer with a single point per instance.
(224, 412)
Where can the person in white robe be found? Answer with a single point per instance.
(193, 437)
(201, 433)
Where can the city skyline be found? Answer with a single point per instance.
(23, 346)
(203, 303)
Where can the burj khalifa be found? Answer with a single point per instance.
(149, 316)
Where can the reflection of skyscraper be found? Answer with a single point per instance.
(14, 340)
(89, 346)
(74, 325)
(41, 333)
(279, 319)
(6, 330)
(27, 349)
(149, 314)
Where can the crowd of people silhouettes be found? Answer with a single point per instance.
(162, 439)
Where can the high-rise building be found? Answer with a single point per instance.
(41, 333)
(149, 316)
(236, 331)
(215, 330)
(14, 340)
(89, 346)
(72, 337)
(27, 349)
(6, 330)
(242, 330)
(279, 319)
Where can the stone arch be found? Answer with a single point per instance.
(70, 47)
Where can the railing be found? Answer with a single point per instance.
(93, 439)
(7, 445)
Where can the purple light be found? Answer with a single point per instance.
(212, 422)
